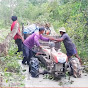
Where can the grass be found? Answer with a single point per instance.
(9, 66)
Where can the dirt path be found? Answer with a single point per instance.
(64, 82)
(36, 82)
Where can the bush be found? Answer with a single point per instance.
(13, 66)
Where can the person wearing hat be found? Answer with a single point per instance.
(29, 43)
(69, 45)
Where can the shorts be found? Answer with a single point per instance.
(71, 52)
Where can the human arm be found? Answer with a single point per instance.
(64, 36)
(36, 41)
(59, 39)
(47, 38)
(44, 38)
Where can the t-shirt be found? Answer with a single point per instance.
(34, 40)
(69, 45)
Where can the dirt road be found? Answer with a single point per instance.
(64, 82)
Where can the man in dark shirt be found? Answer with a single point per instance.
(69, 45)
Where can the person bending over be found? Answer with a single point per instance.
(29, 43)
(69, 45)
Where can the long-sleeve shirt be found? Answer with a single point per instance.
(34, 40)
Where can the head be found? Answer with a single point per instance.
(14, 18)
(47, 32)
(62, 30)
(47, 25)
(41, 30)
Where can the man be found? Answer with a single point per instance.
(47, 29)
(18, 37)
(30, 42)
(70, 47)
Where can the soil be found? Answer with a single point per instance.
(42, 82)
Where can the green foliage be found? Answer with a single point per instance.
(72, 14)
(13, 79)
(10, 62)
(37, 2)
(13, 66)
(10, 68)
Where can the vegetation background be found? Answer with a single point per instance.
(72, 14)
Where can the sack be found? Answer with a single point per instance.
(75, 67)
(34, 67)
(30, 29)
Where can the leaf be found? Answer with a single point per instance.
(24, 70)
(7, 81)
(5, 69)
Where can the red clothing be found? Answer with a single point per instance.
(16, 36)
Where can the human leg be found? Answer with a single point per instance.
(31, 54)
(76, 55)
(69, 55)
(19, 44)
(25, 54)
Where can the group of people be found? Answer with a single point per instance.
(34, 38)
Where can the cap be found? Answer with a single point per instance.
(62, 29)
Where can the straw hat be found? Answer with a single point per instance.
(62, 29)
